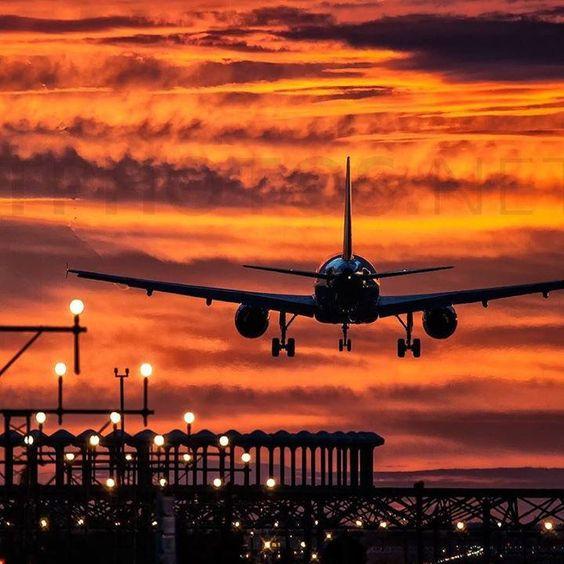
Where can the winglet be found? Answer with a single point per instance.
(347, 224)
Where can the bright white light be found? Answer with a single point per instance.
(217, 482)
(115, 417)
(548, 525)
(187, 457)
(69, 456)
(162, 482)
(94, 440)
(146, 370)
(383, 524)
(110, 483)
(246, 457)
(460, 525)
(314, 555)
(328, 535)
(80, 522)
(43, 523)
(237, 524)
(358, 523)
(40, 417)
(128, 457)
(303, 544)
(28, 440)
(76, 306)
(60, 369)
(189, 418)
(267, 545)
(223, 440)
(270, 483)
(158, 440)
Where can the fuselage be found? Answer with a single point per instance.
(345, 294)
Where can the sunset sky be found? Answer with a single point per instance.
(178, 140)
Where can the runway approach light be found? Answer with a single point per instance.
(548, 526)
(28, 440)
(110, 483)
(217, 483)
(94, 440)
(44, 523)
(162, 482)
(60, 369)
(223, 440)
(383, 524)
(115, 417)
(76, 307)
(40, 417)
(187, 457)
(69, 456)
(158, 440)
(460, 526)
(146, 370)
(246, 457)
(358, 523)
(270, 483)
(189, 418)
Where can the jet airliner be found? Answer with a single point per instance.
(346, 292)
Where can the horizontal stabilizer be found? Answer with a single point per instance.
(406, 271)
(308, 273)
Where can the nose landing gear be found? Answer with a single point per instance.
(408, 344)
(281, 344)
(345, 342)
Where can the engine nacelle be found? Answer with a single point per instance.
(440, 323)
(251, 321)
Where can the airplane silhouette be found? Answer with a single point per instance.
(346, 291)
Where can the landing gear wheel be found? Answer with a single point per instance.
(291, 347)
(341, 345)
(349, 345)
(276, 347)
(402, 347)
(416, 348)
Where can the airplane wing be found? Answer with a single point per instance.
(301, 305)
(395, 305)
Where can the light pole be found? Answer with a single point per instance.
(60, 371)
(122, 394)
(146, 370)
(76, 307)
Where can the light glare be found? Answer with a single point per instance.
(115, 417)
(40, 417)
(189, 418)
(76, 306)
(146, 370)
(60, 369)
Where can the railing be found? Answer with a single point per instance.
(178, 459)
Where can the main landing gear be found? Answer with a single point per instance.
(345, 342)
(282, 344)
(408, 344)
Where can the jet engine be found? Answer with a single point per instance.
(440, 323)
(251, 321)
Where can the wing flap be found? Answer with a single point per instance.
(395, 305)
(299, 304)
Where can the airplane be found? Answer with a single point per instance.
(346, 292)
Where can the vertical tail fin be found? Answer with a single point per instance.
(347, 235)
